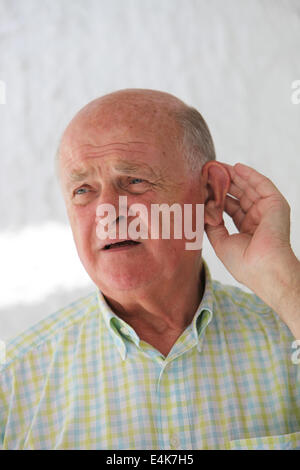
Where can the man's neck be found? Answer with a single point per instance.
(160, 318)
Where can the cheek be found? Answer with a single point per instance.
(83, 227)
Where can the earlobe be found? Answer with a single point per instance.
(213, 215)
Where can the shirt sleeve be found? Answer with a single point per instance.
(5, 396)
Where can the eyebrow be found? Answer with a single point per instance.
(76, 176)
(79, 175)
(134, 168)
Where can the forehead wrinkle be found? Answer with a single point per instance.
(80, 174)
(126, 167)
(91, 148)
(122, 166)
(87, 151)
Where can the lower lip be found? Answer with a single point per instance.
(121, 248)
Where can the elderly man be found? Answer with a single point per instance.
(160, 356)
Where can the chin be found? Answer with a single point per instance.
(121, 279)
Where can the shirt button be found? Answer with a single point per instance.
(174, 441)
(124, 330)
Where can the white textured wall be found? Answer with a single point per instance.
(234, 60)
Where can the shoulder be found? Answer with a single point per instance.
(245, 313)
(235, 298)
(50, 329)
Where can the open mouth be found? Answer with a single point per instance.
(120, 244)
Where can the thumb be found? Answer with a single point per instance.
(217, 235)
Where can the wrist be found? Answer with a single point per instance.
(285, 294)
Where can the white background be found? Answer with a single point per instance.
(235, 60)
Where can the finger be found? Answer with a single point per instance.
(233, 209)
(240, 186)
(245, 199)
(244, 222)
(230, 168)
(254, 184)
(260, 183)
(246, 196)
(217, 236)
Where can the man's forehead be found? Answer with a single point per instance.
(103, 125)
(88, 140)
(120, 149)
(77, 171)
(89, 168)
(85, 140)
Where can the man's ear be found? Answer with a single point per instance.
(216, 180)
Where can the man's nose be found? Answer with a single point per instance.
(110, 200)
(109, 195)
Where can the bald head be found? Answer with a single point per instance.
(132, 102)
(155, 110)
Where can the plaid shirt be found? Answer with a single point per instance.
(83, 379)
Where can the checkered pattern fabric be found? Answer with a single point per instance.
(83, 379)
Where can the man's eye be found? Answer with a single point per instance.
(136, 180)
(80, 191)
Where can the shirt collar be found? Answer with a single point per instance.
(204, 313)
(121, 332)
(118, 328)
